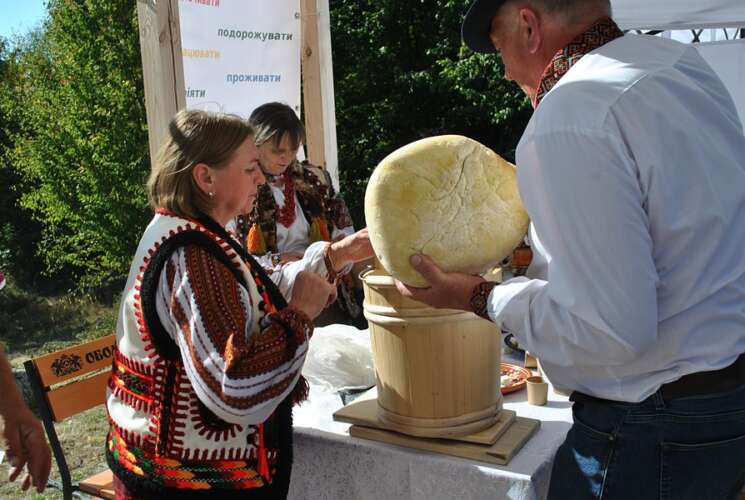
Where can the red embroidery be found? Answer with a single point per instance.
(480, 298)
(600, 33)
(209, 425)
(286, 214)
(205, 471)
(141, 384)
(333, 276)
(266, 305)
(223, 319)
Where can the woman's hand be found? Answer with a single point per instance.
(353, 248)
(311, 294)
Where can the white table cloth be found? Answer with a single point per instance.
(330, 464)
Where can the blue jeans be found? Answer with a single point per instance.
(679, 449)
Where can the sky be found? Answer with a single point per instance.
(17, 17)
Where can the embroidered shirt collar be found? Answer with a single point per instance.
(600, 33)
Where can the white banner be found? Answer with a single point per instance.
(239, 54)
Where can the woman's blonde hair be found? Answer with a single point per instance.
(193, 137)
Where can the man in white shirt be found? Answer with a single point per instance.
(632, 170)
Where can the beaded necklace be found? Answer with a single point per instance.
(286, 214)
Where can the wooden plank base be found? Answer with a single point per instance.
(495, 445)
(365, 413)
(514, 439)
(500, 453)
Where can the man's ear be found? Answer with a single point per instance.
(531, 29)
(202, 175)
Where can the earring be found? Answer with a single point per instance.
(211, 194)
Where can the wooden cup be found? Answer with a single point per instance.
(537, 390)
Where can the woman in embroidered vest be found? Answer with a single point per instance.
(297, 207)
(208, 351)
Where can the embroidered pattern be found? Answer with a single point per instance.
(133, 386)
(158, 385)
(339, 212)
(223, 320)
(322, 207)
(332, 276)
(600, 33)
(286, 214)
(480, 298)
(293, 322)
(182, 474)
(209, 425)
(319, 203)
(296, 322)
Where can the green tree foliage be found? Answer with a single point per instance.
(401, 73)
(73, 137)
(19, 233)
(81, 148)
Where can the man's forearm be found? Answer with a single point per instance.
(10, 397)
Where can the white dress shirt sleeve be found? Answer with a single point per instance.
(599, 304)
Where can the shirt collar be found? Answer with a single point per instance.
(600, 33)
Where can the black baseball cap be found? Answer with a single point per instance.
(477, 24)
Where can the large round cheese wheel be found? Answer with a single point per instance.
(448, 197)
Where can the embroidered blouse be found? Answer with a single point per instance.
(295, 238)
(206, 369)
(239, 375)
(320, 215)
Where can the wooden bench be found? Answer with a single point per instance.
(66, 383)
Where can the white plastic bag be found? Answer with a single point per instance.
(339, 358)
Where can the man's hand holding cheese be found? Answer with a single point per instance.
(445, 290)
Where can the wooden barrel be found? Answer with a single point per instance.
(437, 370)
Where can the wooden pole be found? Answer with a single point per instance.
(311, 76)
(162, 66)
(319, 113)
(328, 102)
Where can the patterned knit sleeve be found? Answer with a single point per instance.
(338, 214)
(239, 374)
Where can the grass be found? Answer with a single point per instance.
(33, 324)
(82, 437)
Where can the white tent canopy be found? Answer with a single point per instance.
(678, 14)
(726, 58)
